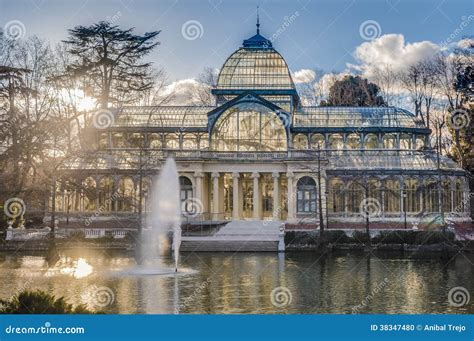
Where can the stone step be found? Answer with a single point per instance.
(229, 246)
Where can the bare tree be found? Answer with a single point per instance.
(207, 80)
(386, 78)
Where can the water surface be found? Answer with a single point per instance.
(248, 283)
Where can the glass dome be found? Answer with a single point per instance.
(257, 66)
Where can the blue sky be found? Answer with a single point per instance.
(323, 35)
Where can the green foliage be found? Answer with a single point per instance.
(354, 91)
(39, 302)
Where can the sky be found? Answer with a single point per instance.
(310, 34)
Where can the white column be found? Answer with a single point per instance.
(215, 196)
(276, 196)
(235, 196)
(291, 196)
(256, 195)
(198, 176)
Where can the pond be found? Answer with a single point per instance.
(250, 283)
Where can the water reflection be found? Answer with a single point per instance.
(243, 282)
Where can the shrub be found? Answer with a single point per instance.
(39, 302)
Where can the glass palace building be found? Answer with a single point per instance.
(259, 154)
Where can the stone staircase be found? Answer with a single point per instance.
(238, 236)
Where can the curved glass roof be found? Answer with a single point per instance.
(255, 68)
(162, 116)
(391, 117)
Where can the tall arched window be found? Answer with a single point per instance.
(336, 196)
(106, 199)
(306, 195)
(446, 195)
(249, 127)
(458, 204)
(412, 196)
(185, 194)
(355, 197)
(431, 196)
(89, 188)
(300, 141)
(392, 196)
(126, 192)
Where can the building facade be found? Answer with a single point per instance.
(259, 154)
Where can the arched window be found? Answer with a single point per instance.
(103, 141)
(186, 194)
(172, 141)
(411, 196)
(446, 197)
(355, 197)
(189, 142)
(118, 140)
(317, 140)
(89, 190)
(249, 127)
(306, 195)
(154, 141)
(126, 195)
(405, 141)
(371, 141)
(136, 140)
(300, 141)
(336, 142)
(431, 196)
(353, 141)
(420, 142)
(336, 196)
(458, 203)
(106, 199)
(204, 142)
(390, 141)
(392, 196)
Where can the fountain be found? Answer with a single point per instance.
(165, 218)
(166, 213)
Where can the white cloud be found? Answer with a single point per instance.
(304, 76)
(391, 50)
(182, 92)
